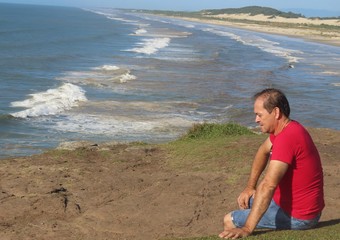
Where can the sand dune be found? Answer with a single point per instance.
(320, 30)
(277, 19)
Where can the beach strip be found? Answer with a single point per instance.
(326, 31)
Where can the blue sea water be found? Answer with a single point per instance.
(70, 74)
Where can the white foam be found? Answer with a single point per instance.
(124, 127)
(101, 76)
(333, 73)
(94, 11)
(96, 124)
(51, 102)
(126, 77)
(112, 16)
(121, 19)
(128, 119)
(261, 43)
(140, 31)
(336, 84)
(151, 46)
(107, 68)
(189, 26)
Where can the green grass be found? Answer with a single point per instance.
(212, 130)
(215, 148)
(230, 148)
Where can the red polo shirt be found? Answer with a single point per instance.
(300, 192)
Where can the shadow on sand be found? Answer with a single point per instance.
(328, 223)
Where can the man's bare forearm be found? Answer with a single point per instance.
(258, 166)
(261, 202)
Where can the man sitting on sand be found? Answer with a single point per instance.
(290, 196)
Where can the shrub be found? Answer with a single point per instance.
(209, 130)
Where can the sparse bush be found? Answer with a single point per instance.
(209, 130)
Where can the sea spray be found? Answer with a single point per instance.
(101, 76)
(151, 46)
(51, 102)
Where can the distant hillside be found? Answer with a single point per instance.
(252, 10)
(313, 13)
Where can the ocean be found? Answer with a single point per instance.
(70, 74)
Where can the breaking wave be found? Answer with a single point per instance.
(50, 102)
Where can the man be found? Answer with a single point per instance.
(290, 196)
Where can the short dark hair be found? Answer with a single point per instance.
(274, 98)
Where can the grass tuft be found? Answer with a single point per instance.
(213, 130)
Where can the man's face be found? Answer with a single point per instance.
(265, 119)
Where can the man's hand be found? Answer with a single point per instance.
(234, 233)
(243, 199)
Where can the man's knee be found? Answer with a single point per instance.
(228, 222)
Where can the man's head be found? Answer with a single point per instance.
(270, 107)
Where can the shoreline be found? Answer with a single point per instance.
(318, 35)
(72, 145)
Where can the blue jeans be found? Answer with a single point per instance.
(274, 218)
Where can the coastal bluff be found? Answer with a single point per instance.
(139, 191)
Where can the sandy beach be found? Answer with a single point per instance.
(319, 30)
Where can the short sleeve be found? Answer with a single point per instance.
(282, 149)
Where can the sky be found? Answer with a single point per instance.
(194, 5)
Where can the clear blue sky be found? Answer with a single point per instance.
(191, 5)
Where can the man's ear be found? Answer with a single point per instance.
(277, 113)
